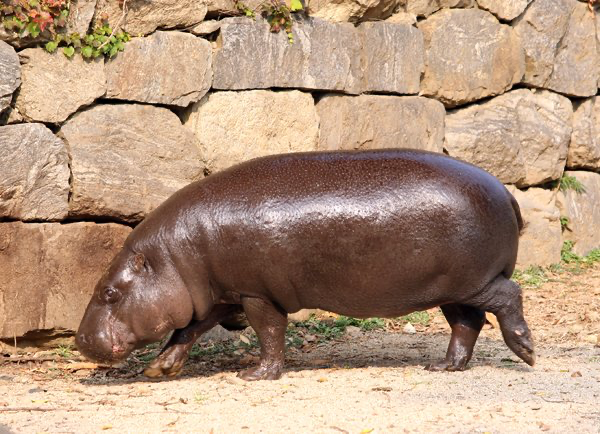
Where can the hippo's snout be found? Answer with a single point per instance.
(105, 347)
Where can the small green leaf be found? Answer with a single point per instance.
(33, 29)
(296, 5)
(113, 51)
(51, 46)
(87, 51)
(69, 51)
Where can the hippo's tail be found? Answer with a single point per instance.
(517, 210)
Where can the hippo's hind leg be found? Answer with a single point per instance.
(173, 356)
(269, 322)
(466, 322)
(504, 298)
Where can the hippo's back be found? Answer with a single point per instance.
(374, 227)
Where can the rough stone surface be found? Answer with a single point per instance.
(380, 121)
(424, 8)
(583, 212)
(560, 54)
(236, 126)
(81, 13)
(584, 150)
(541, 240)
(324, 56)
(353, 10)
(506, 10)
(220, 8)
(469, 55)
(34, 164)
(521, 137)
(403, 18)
(54, 87)
(145, 16)
(171, 68)
(127, 159)
(10, 74)
(393, 57)
(48, 272)
(206, 28)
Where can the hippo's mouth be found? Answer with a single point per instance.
(105, 353)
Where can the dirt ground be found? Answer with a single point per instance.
(362, 382)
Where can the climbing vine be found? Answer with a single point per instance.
(46, 20)
(277, 12)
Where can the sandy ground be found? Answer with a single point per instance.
(362, 382)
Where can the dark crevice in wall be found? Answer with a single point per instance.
(70, 220)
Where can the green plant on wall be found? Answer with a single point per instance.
(277, 12)
(47, 20)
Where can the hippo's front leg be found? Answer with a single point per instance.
(173, 356)
(269, 322)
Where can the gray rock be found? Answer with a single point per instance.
(556, 57)
(219, 334)
(353, 10)
(584, 149)
(506, 10)
(380, 121)
(127, 159)
(324, 56)
(48, 272)
(171, 68)
(541, 240)
(521, 137)
(54, 87)
(81, 13)
(583, 212)
(206, 28)
(144, 17)
(10, 74)
(424, 8)
(35, 173)
(393, 57)
(469, 56)
(232, 127)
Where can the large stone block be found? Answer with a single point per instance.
(54, 87)
(81, 13)
(237, 126)
(353, 10)
(559, 38)
(126, 159)
(220, 8)
(584, 150)
(469, 55)
(393, 57)
(48, 272)
(166, 68)
(34, 168)
(380, 121)
(541, 241)
(10, 74)
(144, 17)
(583, 211)
(324, 56)
(521, 137)
(506, 10)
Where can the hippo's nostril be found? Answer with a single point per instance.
(117, 348)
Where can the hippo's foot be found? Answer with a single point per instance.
(169, 363)
(466, 322)
(504, 298)
(445, 365)
(262, 372)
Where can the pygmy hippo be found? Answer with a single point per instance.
(360, 233)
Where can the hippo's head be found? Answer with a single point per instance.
(138, 301)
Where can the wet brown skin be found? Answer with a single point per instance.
(360, 233)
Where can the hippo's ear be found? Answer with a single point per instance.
(138, 262)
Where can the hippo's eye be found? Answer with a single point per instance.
(111, 295)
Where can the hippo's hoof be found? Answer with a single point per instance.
(167, 364)
(260, 373)
(445, 365)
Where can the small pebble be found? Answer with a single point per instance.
(409, 328)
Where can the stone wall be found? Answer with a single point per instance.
(88, 148)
